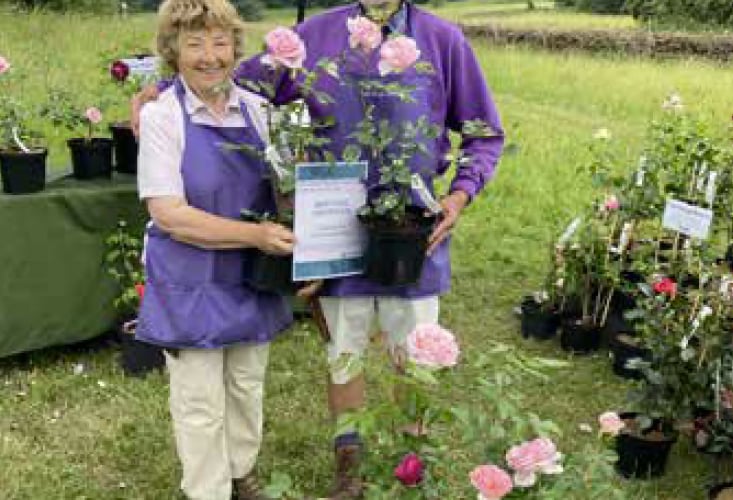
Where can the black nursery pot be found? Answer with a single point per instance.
(270, 273)
(537, 323)
(125, 148)
(717, 491)
(395, 254)
(23, 173)
(644, 456)
(91, 159)
(580, 338)
(137, 357)
(623, 350)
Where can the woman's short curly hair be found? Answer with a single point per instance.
(175, 16)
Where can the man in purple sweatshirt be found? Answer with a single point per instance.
(453, 94)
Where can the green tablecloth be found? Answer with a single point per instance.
(54, 288)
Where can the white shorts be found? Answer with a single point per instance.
(350, 321)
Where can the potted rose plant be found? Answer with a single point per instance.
(22, 155)
(91, 156)
(293, 139)
(124, 264)
(128, 82)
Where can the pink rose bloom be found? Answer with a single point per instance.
(93, 115)
(363, 33)
(284, 48)
(610, 423)
(410, 471)
(432, 346)
(397, 55)
(611, 204)
(4, 65)
(491, 481)
(532, 457)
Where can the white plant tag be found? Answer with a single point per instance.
(569, 231)
(687, 219)
(623, 240)
(710, 188)
(273, 158)
(418, 184)
(17, 140)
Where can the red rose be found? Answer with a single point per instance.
(140, 289)
(410, 471)
(666, 286)
(119, 71)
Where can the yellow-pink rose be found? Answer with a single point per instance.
(284, 48)
(363, 33)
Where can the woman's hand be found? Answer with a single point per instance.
(275, 239)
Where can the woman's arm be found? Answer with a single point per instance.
(202, 229)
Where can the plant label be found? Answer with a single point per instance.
(687, 219)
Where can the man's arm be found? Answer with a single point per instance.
(468, 98)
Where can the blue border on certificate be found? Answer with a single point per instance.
(333, 268)
(319, 171)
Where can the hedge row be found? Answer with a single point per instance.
(718, 47)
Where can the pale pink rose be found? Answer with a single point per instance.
(611, 204)
(284, 48)
(610, 423)
(363, 33)
(531, 457)
(4, 65)
(491, 481)
(432, 346)
(93, 115)
(397, 55)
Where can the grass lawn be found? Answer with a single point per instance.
(95, 434)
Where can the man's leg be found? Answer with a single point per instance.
(349, 321)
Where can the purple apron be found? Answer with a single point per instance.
(196, 298)
(348, 111)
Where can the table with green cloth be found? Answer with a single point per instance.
(54, 287)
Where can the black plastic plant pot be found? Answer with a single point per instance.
(125, 148)
(580, 338)
(270, 273)
(395, 254)
(645, 455)
(721, 491)
(624, 348)
(92, 158)
(536, 322)
(23, 173)
(137, 357)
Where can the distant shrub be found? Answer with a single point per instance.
(711, 12)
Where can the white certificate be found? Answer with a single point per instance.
(330, 240)
(688, 219)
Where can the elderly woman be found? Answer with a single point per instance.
(214, 328)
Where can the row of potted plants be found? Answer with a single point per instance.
(23, 149)
(660, 293)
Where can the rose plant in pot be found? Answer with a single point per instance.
(22, 150)
(91, 156)
(293, 139)
(123, 261)
(128, 82)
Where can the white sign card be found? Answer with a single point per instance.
(687, 219)
(145, 67)
(330, 240)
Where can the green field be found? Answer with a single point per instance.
(68, 436)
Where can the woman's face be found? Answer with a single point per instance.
(205, 58)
